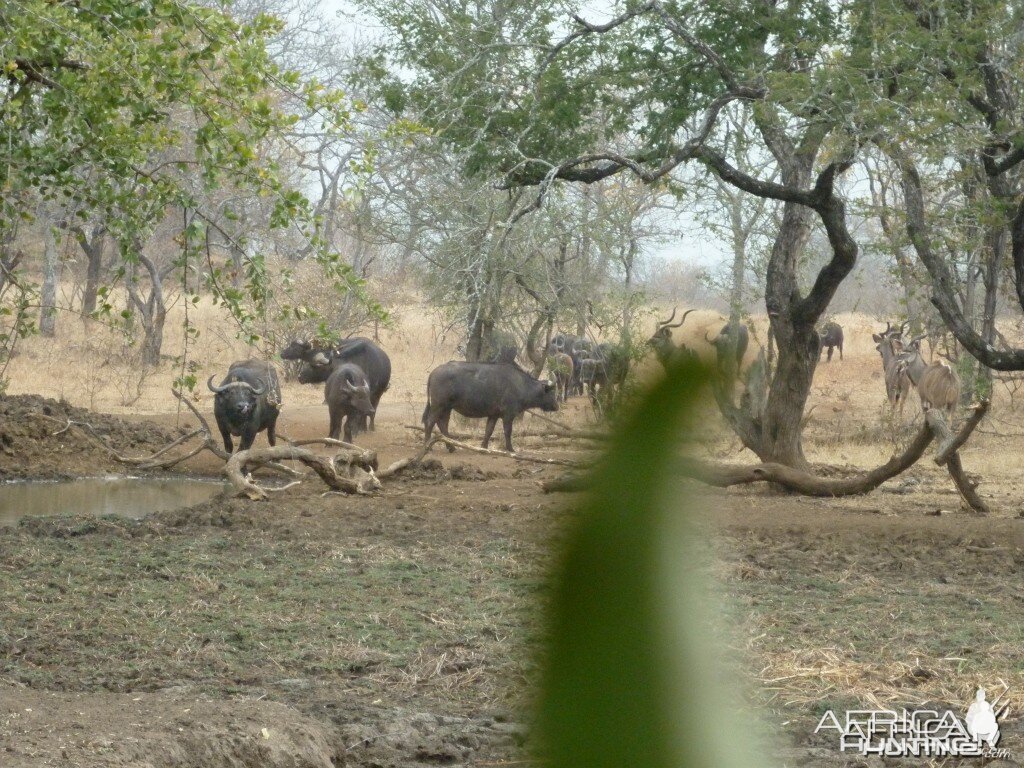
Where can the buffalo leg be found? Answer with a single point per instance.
(428, 425)
(335, 428)
(348, 428)
(272, 431)
(374, 401)
(489, 430)
(840, 351)
(506, 424)
(247, 438)
(442, 426)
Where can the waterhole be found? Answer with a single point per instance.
(125, 496)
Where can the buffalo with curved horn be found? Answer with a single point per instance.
(732, 339)
(247, 402)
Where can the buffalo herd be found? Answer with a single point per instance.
(356, 373)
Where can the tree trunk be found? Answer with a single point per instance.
(152, 311)
(796, 343)
(153, 340)
(48, 298)
(475, 343)
(93, 250)
(539, 355)
(995, 256)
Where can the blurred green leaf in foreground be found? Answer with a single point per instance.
(631, 677)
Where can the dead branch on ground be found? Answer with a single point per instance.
(525, 433)
(586, 434)
(807, 484)
(324, 467)
(493, 452)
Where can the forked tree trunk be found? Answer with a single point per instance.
(775, 436)
(796, 343)
(152, 310)
(93, 249)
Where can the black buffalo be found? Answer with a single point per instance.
(607, 367)
(347, 393)
(484, 390)
(578, 348)
(831, 335)
(247, 402)
(319, 362)
(732, 338)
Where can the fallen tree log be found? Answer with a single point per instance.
(324, 467)
(808, 484)
(493, 452)
(353, 455)
(523, 433)
(571, 431)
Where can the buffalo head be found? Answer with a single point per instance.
(238, 397)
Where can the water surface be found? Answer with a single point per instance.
(131, 497)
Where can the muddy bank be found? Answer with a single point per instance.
(37, 440)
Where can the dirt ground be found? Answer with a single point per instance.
(400, 629)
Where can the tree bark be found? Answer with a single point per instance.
(93, 247)
(48, 297)
(152, 310)
(808, 484)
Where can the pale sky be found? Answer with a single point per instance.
(690, 247)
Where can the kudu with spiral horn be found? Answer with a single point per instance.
(889, 344)
(936, 383)
(661, 342)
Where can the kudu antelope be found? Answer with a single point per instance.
(661, 342)
(937, 384)
(889, 344)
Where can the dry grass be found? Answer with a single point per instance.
(87, 363)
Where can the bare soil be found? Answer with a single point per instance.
(37, 441)
(400, 629)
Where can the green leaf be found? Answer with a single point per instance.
(629, 675)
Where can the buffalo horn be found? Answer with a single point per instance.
(214, 389)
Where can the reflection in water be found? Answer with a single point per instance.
(128, 497)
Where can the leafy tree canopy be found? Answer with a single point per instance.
(122, 110)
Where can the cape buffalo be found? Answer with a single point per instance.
(347, 393)
(247, 402)
(561, 366)
(484, 390)
(319, 363)
(577, 347)
(607, 366)
(831, 335)
(732, 338)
